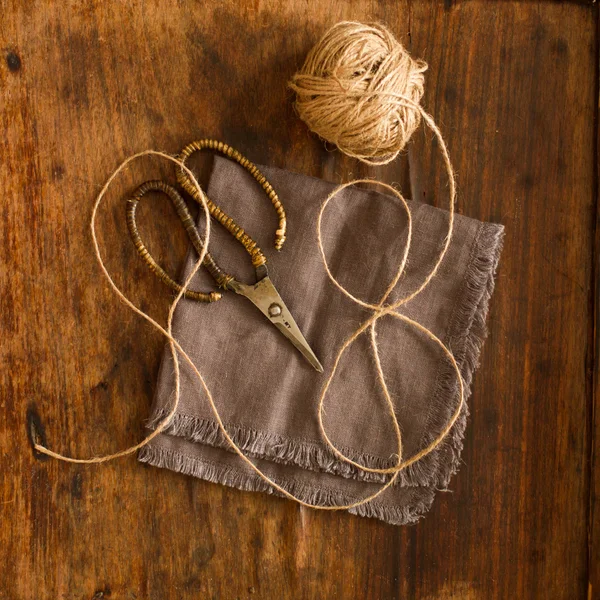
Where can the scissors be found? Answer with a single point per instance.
(263, 293)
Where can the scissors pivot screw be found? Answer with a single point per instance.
(274, 310)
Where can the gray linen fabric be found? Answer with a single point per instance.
(267, 393)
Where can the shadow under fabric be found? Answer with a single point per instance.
(267, 393)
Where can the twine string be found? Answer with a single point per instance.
(381, 310)
(373, 88)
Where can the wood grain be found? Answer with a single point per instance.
(594, 368)
(84, 84)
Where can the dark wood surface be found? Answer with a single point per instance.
(514, 87)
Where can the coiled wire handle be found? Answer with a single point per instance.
(223, 279)
(184, 214)
(258, 258)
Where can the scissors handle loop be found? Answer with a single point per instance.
(222, 278)
(258, 258)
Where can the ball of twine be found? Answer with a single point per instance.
(360, 89)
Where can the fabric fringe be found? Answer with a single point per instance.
(226, 475)
(465, 337)
(268, 446)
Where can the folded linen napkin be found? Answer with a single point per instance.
(267, 393)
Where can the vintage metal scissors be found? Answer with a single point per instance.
(263, 293)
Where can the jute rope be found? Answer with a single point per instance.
(357, 89)
(413, 114)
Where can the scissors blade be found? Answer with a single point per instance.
(267, 299)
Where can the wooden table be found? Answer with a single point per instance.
(514, 87)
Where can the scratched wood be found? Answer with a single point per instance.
(514, 88)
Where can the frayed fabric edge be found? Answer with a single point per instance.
(465, 337)
(232, 477)
(267, 446)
